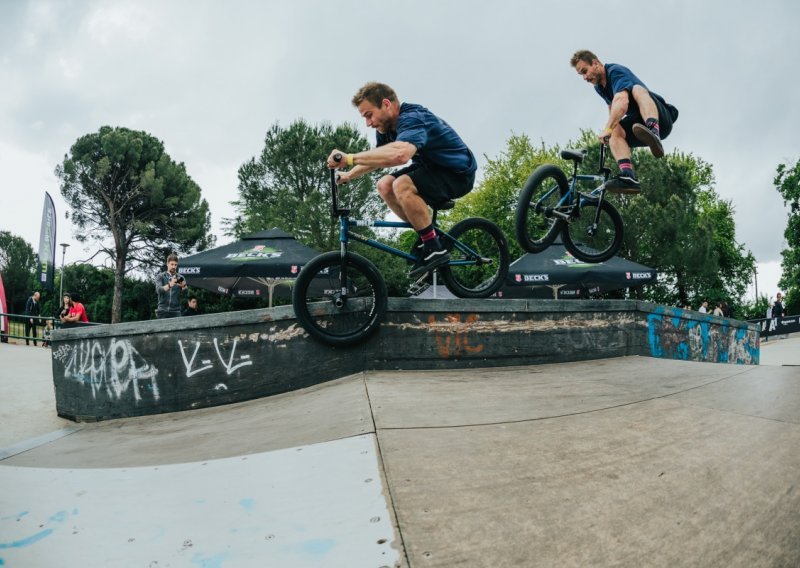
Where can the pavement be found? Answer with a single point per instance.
(616, 462)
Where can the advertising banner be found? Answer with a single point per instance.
(47, 245)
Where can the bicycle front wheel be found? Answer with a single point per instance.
(340, 303)
(592, 241)
(478, 258)
(535, 226)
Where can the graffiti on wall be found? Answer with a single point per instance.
(453, 335)
(698, 338)
(112, 366)
(228, 361)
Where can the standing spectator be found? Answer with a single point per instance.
(76, 314)
(777, 311)
(718, 310)
(191, 307)
(169, 286)
(32, 308)
(726, 310)
(777, 306)
(703, 307)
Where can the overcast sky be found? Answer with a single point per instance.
(209, 77)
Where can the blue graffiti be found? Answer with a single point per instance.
(318, 546)
(700, 338)
(22, 543)
(214, 561)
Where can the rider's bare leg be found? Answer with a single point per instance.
(386, 191)
(414, 208)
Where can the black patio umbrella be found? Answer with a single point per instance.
(556, 273)
(263, 264)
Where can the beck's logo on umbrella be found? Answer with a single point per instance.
(258, 252)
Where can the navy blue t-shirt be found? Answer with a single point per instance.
(620, 78)
(436, 142)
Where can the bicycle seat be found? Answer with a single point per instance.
(442, 205)
(577, 155)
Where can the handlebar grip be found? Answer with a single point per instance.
(337, 157)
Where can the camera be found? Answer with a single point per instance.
(180, 279)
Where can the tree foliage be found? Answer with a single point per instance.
(677, 225)
(17, 266)
(787, 182)
(287, 185)
(130, 198)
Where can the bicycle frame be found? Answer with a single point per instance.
(346, 234)
(570, 201)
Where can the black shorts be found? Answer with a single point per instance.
(667, 115)
(436, 185)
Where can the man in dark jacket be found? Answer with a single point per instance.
(32, 308)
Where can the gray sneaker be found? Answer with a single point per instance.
(649, 137)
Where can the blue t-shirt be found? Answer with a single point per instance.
(620, 78)
(436, 142)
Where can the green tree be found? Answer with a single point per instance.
(17, 266)
(787, 182)
(288, 185)
(495, 195)
(133, 200)
(678, 225)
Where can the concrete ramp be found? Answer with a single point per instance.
(630, 461)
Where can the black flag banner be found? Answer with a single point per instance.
(47, 244)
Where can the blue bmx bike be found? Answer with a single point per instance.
(340, 297)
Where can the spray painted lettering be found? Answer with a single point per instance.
(206, 364)
(452, 335)
(114, 367)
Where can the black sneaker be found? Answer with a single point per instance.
(433, 256)
(624, 183)
(649, 137)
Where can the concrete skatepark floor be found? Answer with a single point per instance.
(616, 462)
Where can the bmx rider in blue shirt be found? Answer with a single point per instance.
(441, 166)
(636, 115)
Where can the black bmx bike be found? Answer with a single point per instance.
(550, 204)
(340, 297)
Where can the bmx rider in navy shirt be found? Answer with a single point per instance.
(442, 167)
(636, 115)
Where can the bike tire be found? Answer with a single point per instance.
(604, 241)
(325, 314)
(535, 230)
(477, 280)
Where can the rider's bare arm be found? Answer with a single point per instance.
(386, 156)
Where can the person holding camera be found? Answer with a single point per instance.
(169, 286)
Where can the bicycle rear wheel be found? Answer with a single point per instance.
(592, 242)
(340, 309)
(478, 258)
(535, 226)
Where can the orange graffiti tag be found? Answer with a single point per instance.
(452, 338)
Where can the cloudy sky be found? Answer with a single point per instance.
(208, 78)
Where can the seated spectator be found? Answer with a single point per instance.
(75, 312)
(191, 308)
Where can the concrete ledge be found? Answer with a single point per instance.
(160, 366)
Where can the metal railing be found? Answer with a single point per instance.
(18, 327)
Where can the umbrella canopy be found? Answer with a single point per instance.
(262, 264)
(556, 270)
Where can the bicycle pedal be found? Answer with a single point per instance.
(419, 286)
